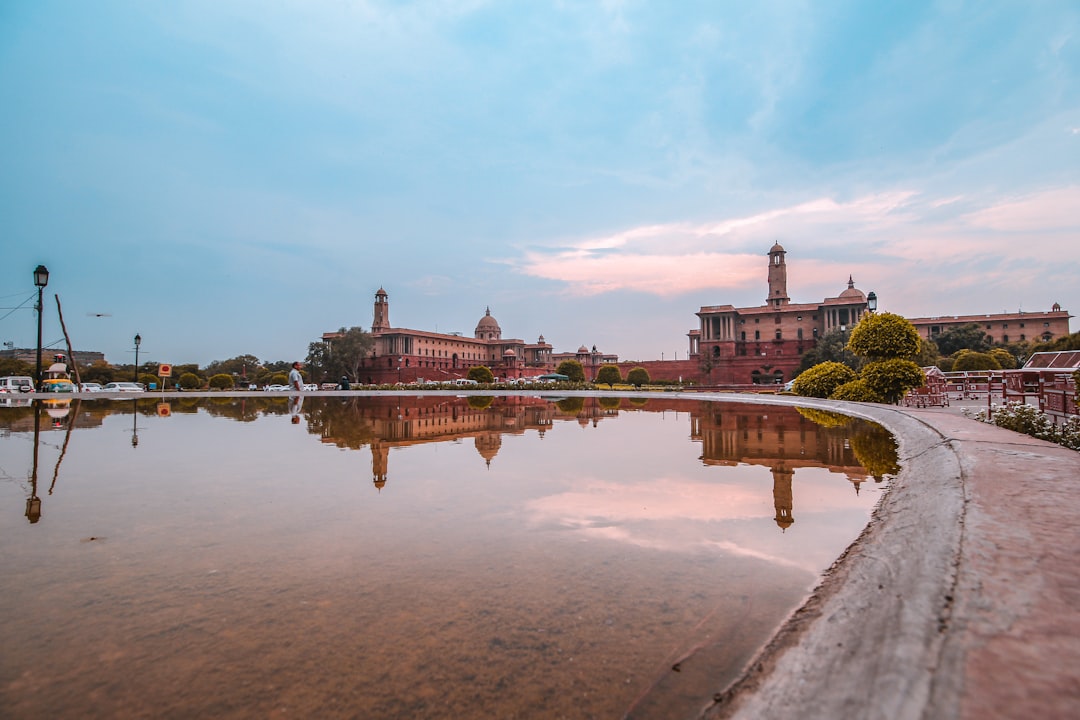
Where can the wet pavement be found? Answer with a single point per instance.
(962, 598)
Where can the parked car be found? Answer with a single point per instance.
(311, 386)
(123, 387)
(57, 385)
(90, 387)
(275, 388)
(16, 384)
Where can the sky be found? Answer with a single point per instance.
(228, 177)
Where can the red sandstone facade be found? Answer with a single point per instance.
(1004, 328)
(764, 345)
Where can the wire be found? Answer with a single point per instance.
(20, 306)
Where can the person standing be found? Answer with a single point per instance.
(296, 380)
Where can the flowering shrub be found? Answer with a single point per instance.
(820, 380)
(857, 391)
(1023, 418)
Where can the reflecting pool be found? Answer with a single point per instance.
(396, 557)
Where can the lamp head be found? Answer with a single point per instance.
(41, 276)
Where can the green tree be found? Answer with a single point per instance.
(233, 366)
(608, 375)
(221, 381)
(963, 337)
(893, 377)
(637, 377)
(148, 379)
(831, 347)
(481, 374)
(14, 366)
(341, 356)
(571, 369)
(190, 381)
(821, 380)
(1005, 359)
(881, 336)
(1058, 344)
(969, 360)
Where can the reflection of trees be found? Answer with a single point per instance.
(610, 403)
(825, 418)
(479, 402)
(571, 405)
(345, 423)
(876, 450)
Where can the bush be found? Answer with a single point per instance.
(1004, 358)
(191, 381)
(147, 379)
(571, 369)
(1023, 418)
(971, 360)
(480, 402)
(221, 381)
(892, 378)
(608, 375)
(821, 380)
(481, 374)
(857, 391)
(881, 336)
(637, 377)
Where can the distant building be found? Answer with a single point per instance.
(29, 355)
(764, 344)
(1002, 328)
(591, 360)
(406, 355)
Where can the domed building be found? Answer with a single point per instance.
(764, 344)
(403, 355)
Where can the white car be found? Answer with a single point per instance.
(90, 387)
(123, 387)
(275, 388)
(311, 386)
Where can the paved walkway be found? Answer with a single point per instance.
(960, 600)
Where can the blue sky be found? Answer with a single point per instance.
(228, 177)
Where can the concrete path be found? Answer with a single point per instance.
(960, 600)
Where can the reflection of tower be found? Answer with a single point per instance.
(488, 444)
(381, 320)
(781, 492)
(777, 277)
(380, 459)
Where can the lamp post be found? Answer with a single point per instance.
(871, 302)
(41, 279)
(138, 340)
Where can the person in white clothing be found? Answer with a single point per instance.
(296, 380)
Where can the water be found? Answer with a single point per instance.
(429, 557)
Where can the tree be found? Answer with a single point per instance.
(1005, 359)
(821, 380)
(233, 366)
(148, 379)
(893, 377)
(608, 375)
(881, 336)
(571, 369)
(1065, 342)
(190, 381)
(969, 360)
(963, 337)
(341, 356)
(637, 377)
(831, 347)
(481, 374)
(221, 381)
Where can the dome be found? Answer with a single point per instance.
(852, 293)
(488, 328)
(583, 350)
(777, 247)
(509, 353)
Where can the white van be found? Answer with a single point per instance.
(16, 384)
(465, 381)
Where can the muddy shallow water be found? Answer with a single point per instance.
(427, 557)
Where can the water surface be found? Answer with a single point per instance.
(411, 557)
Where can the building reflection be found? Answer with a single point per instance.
(785, 440)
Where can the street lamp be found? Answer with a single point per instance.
(138, 340)
(871, 301)
(41, 279)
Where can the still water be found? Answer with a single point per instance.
(393, 557)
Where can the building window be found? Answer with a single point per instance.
(779, 335)
(1022, 337)
(757, 334)
(757, 320)
(799, 318)
(798, 333)
(777, 319)
(1004, 338)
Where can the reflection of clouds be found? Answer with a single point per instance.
(686, 516)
